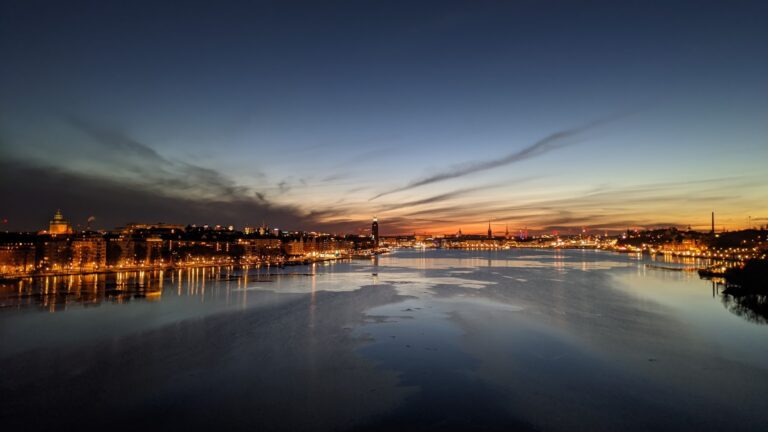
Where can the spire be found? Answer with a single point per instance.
(490, 232)
(375, 232)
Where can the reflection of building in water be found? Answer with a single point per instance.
(59, 225)
(55, 293)
(751, 307)
(89, 252)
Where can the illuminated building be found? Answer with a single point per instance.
(54, 253)
(89, 252)
(17, 257)
(158, 228)
(59, 225)
(259, 248)
(375, 232)
(294, 248)
(120, 250)
(154, 250)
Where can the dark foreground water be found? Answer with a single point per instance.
(415, 340)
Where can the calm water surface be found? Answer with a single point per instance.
(414, 340)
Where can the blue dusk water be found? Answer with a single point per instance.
(414, 340)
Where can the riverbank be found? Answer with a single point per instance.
(172, 267)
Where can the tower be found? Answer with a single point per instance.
(490, 233)
(713, 224)
(375, 232)
(506, 231)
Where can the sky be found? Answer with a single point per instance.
(434, 116)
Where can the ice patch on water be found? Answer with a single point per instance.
(408, 283)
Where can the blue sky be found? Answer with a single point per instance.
(299, 113)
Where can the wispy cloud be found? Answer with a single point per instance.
(432, 199)
(140, 165)
(547, 144)
(671, 203)
(115, 203)
(110, 174)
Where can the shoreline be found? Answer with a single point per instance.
(169, 267)
(293, 262)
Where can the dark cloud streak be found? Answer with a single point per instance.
(432, 199)
(38, 190)
(547, 144)
(149, 169)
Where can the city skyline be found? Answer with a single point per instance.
(434, 117)
(59, 225)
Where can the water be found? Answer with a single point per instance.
(414, 340)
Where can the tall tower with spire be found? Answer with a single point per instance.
(506, 231)
(490, 232)
(375, 232)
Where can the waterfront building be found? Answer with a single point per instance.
(53, 253)
(421, 237)
(17, 257)
(154, 247)
(294, 248)
(89, 252)
(254, 249)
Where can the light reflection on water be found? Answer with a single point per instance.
(58, 293)
(546, 339)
